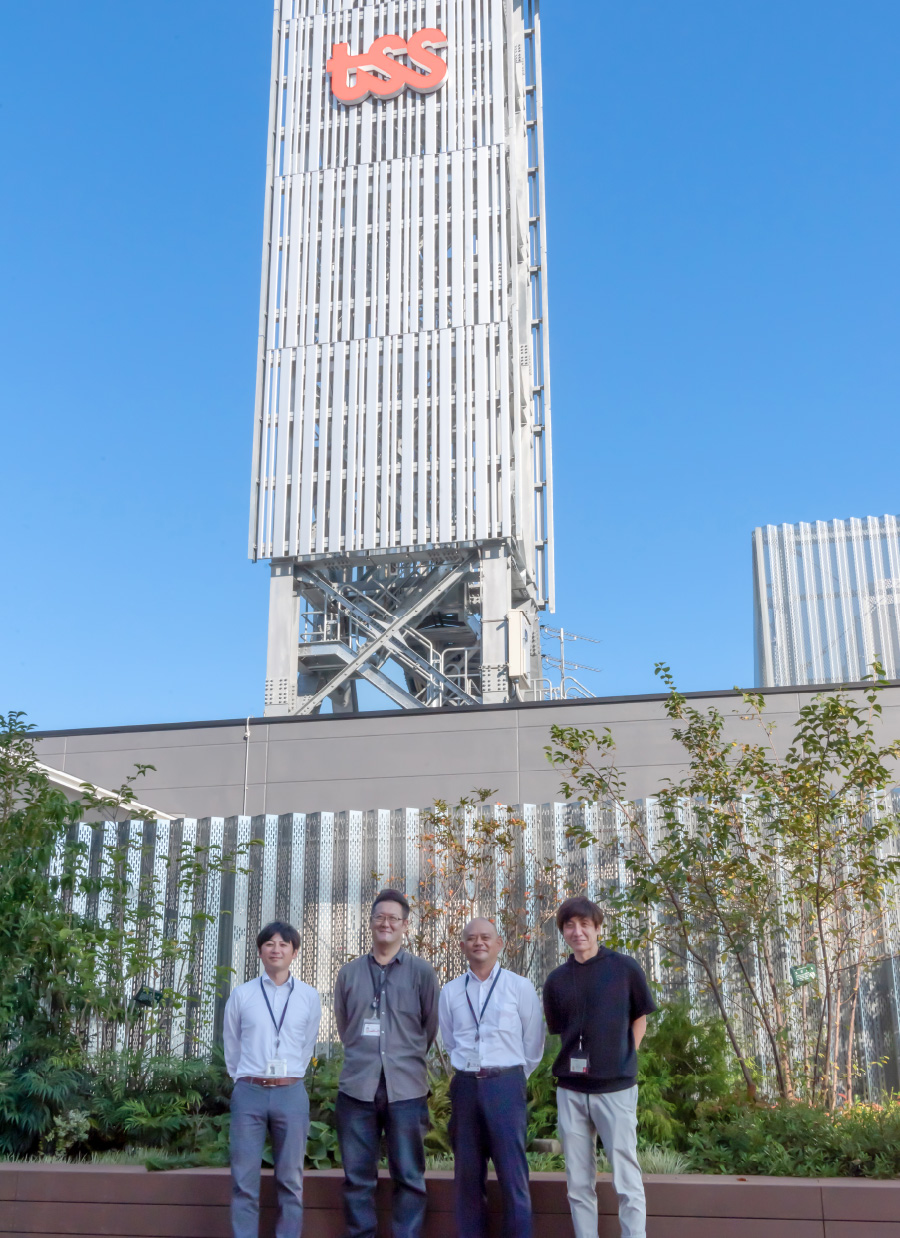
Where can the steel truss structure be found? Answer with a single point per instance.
(401, 453)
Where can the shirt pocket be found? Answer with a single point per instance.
(405, 1005)
(508, 1016)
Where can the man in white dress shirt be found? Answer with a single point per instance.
(271, 1025)
(493, 1029)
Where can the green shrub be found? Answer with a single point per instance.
(208, 1147)
(165, 1103)
(47, 956)
(656, 1160)
(206, 1139)
(437, 1141)
(40, 1082)
(799, 1141)
(322, 1087)
(542, 1096)
(683, 1067)
(322, 1150)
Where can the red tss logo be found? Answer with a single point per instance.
(378, 73)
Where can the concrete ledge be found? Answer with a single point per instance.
(124, 1201)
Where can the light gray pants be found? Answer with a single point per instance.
(285, 1112)
(613, 1116)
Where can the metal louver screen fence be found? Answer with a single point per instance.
(320, 871)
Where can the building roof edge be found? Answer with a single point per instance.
(571, 702)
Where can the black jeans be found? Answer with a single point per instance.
(360, 1125)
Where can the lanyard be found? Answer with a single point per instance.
(486, 1000)
(280, 1024)
(378, 989)
(575, 966)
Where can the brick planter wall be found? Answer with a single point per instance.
(119, 1201)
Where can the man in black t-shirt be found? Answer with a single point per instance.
(598, 1003)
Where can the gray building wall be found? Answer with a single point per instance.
(396, 759)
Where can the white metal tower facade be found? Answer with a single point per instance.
(826, 600)
(401, 451)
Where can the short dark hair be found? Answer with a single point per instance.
(287, 931)
(391, 896)
(578, 906)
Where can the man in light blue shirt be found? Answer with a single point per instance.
(271, 1025)
(493, 1029)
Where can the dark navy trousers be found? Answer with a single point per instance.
(489, 1120)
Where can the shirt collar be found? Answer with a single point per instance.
(267, 979)
(398, 958)
(490, 976)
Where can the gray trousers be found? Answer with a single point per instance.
(284, 1111)
(613, 1116)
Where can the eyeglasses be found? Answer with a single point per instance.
(387, 921)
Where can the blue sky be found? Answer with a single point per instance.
(723, 196)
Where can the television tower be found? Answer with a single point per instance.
(401, 448)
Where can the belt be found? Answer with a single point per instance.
(490, 1072)
(279, 1081)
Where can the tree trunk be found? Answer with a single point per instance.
(729, 1029)
(781, 1049)
(850, 1035)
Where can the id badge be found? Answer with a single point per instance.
(578, 1065)
(473, 1062)
(276, 1068)
(371, 1027)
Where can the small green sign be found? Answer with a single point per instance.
(803, 974)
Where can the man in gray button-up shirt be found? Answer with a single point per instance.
(386, 1006)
